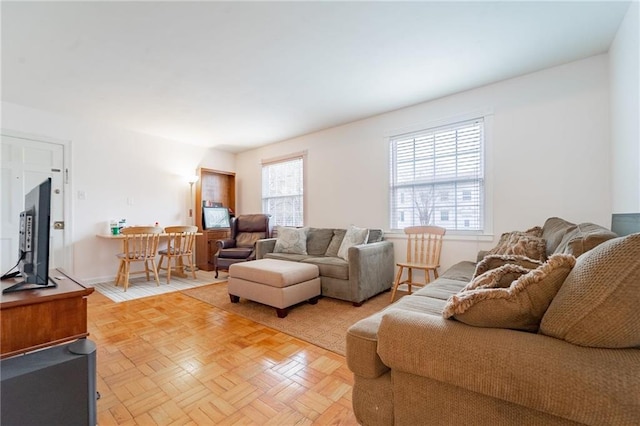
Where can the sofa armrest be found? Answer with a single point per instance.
(371, 269)
(226, 243)
(264, 246)
(589, 385)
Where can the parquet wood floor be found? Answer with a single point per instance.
(173, 360)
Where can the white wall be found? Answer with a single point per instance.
(549, 156)
(115, 167)
(625, 113)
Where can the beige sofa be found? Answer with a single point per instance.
(412, 366)
(367, 272)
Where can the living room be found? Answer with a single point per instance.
(563, 141)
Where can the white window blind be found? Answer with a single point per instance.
(437, 177)
(283, 190)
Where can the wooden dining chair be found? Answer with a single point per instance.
(140, 244)
(424, 244)
(179, 248)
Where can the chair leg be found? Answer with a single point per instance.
(168, 269)
(155, 272)
(396, 284)
(409, 278)
(126, 275)
(160, 263)
(190, 263)
(120, 271)
(146, 269)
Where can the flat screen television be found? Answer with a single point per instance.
(625, 223)
(215, 217)
(33, 242)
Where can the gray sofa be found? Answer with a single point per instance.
(412, 366)
(368, 271)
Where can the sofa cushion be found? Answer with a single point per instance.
(520, 306)
(353, 237)
(583, 238)
(336, 241)
(598, 304)
(333, 267)
(291, 240)
(318, 240)
(235, 253)
(493, 261)
(286, 256)
(441, 289)
(553, 231)
(461, 271)
(521, 243)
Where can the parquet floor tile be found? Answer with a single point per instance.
(173, 360)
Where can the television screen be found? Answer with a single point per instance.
(625, 223)
(215, 217)
(34, 239)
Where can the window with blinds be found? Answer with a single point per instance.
(437, 177)
(283, 191)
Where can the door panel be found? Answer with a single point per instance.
(25, 164)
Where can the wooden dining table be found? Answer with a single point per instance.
(180, 272)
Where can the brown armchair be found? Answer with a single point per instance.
(245, 231)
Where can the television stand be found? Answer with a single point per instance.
(63, 309)
(23, 285)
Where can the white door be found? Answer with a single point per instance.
(25, 164)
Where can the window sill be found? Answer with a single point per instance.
(452, 235)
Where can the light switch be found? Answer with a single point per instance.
(130, 201)
(82, 195)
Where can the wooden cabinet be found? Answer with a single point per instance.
(35, 319)
(218, 187)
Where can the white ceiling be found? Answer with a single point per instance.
(235, 75)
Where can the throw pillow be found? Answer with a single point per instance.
(520, 306)
(291, 240)
(336, 241)
(353, 237)
(521, 243)
(493, 261)
(598, 304)
(499, 277)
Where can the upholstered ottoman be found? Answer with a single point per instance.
(277, 283)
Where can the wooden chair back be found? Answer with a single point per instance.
(141, 242)
(424, 244)
(181, 239)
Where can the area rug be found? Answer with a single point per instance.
(139, 286)
(324, 324)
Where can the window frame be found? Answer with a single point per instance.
(279, 160)
(486, 114)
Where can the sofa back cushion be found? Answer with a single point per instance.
(248, 239)
(597, 305)
(583, 238)
(318, 240)
(553, 232)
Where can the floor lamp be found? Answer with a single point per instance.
(192, 179)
